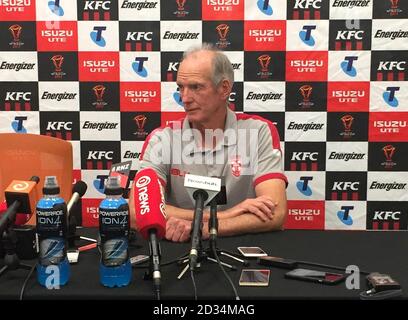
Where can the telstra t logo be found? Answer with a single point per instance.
(389, 96)
(99, 182)
(96, 36)
(306, 35)
(265, 7)
(177, 98)
(347, 66)
(344, 215)
(137, 66)
(18, 126)
(303, 187)
(55, 8)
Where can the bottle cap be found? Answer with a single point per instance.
(51, 185)
(113, 187)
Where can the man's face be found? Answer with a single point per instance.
(200, 97)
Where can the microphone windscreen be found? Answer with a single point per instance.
(80, 188)
(149, 203)
(24, 192)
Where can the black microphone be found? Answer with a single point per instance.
(201, 190)
(219, 199)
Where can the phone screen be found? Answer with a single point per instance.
(315, 275)
(252, 252)
(254, 277)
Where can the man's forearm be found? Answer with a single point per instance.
(188, 214)
(246, 223)
(172, 211)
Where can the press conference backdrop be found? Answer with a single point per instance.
(332, 75)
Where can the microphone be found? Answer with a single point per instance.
(20, 196)
(201, 190)
(78, 191)
(219, 199)
(150, 216)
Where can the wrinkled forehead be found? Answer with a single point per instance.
(195, 67)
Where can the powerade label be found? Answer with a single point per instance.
(114, 230)
(51, 222)
(114, 223)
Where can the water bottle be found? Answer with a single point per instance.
(115, 267)
(51, 214)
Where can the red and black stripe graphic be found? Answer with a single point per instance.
(138, 46)
(304, 166)
(391, 76)
(98, 164)
(343, 195)
(64, 135)
(312, 14)
(17, 106)
(386, 225)
(96, 15)
(348, 45)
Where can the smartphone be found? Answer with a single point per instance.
(251, 252)
(254, 277)
(138, 259)
(324, 277)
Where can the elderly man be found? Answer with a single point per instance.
(213, 141)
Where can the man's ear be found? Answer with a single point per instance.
(225, 88)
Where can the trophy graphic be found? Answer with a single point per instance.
(394, 10)
(57, 60)
(306, 92)
(389, 151)
(347, 121)
(264, 61)
(140, 123)
(180, 4)
(180, 13)
(222, 30)
(99, 91)
(15, 30)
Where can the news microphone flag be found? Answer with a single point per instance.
(149, 203)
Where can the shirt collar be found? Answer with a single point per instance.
(230, 124)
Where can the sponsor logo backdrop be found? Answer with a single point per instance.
(101, 74)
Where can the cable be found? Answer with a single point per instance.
(194, 284)
(214, 250)
(173, 261)
(26, 281)
(328, 266)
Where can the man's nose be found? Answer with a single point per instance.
(186, 95)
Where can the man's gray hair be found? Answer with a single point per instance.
(222, 68)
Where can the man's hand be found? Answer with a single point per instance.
(263, 207)
(178, 230)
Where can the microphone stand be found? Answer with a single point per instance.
(208, 253)
(154, 263)
(213, 231)
(9, 241)
(196, 253)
